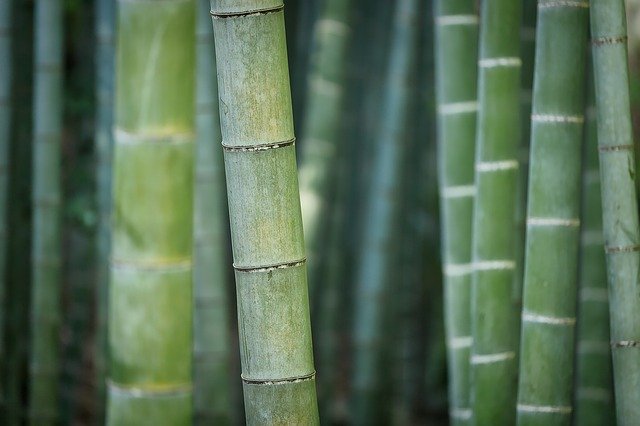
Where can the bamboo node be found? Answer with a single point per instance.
(494, 265)
(258, 147)
(494, 166)
(557, 118)
(626, 344)
(458, 270)
(621, 249)
(332, 26)
(242, 14)
(167, 391)
(602, 41)
(500, 62)
(460, 413)
(591, 294)
(492, 358)
(270, 268)
(550, 409)
(544, 319)
(462, 191)
(447, 20)
(458, 108)
(562, 3)
(296, 379)
(615, 148)
(553, 221)
(462, 342)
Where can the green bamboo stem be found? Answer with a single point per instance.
(619, 203)
(45, 255)
(494, 316)
(5, 137)
(150, 300)
(322, 130)
(456, 81)
(553, 216)
(211, 350)
(264, 206)
(593, 395)
(105, 56)
(376, 265)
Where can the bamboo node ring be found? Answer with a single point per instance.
(622, 249)
(240, 14)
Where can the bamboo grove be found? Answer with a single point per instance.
(304, 212)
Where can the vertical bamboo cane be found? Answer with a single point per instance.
(264, 206)
(46, 257)
(150, 303)
(619, 202)
(456, 74)
(553, 215)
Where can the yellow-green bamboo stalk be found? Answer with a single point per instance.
(150, 298)
(264, 206)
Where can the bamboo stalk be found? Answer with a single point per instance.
(46, 239)
(494, 316)
(383, 206)
(619, 203)
(553, 215)
(105, 56)
(264, 206)
(593, 394)
(211, 357)
(150, 302)
(456, 81)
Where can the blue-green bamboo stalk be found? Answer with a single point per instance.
(494, 315)
(376, 266)
(619, 202)
(47, 248)
(211, 346)
(593, 394)
(105, 56)
(456, 81)
(553, 215)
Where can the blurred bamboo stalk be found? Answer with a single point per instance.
(456, 81)
(150, 303)
(619, 202)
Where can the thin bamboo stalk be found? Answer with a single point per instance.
(593, 395)
(264, 206)
(105, 56)
(150, 300)
(46, 239)
(456, 81)
(619, 202)
(211, 350)
(494, 316)
(376, 265)
(553, 215)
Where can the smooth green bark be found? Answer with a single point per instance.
(456, 80)
(46, 239)
(264, 208)
(376, 263)
(593, 394)
(494, 316)
(211, 350)
(553, 216)
(619, 202)
(150, 297)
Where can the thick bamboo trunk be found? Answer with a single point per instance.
(211, 350)
(46, 240)
(593, 394)
(619, 203)
(264, 206)
(553, 215)
(105, 56)
(456, 74)
(494, 316)
(150, 303)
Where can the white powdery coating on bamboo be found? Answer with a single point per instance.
(460, 342)
(550, 409)
(458, 108)
(557, 118)
(545, 319)
(552, 221)
(458, 269)
(326, 87)
(332, 26)
(594, 295)
(500, 62)
(492, 358)
(594, 394)
(494, 166)
(562, 3)
(495, 265)
(457, 20)
(460, 413)
(463, 191)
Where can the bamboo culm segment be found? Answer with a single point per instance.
(375, 267)
(46, 240)
(494, 316)
(456, 81)
(593, 393)
(150, 298)
(105, 57)
(211, 350)
(264, 208)
(553, 217)
(619, 205)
